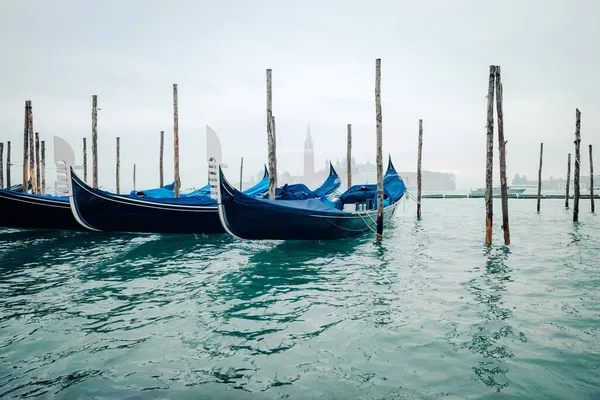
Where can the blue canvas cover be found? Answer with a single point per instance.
(167, 191)
(300, 191)
(331, 183)
(261, 187)
(393, 190)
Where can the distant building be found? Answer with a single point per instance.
(553, 184)
(361, 173)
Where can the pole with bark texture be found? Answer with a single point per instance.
(8, 165)
(32, 172)
(275, 147)
(176, 140)
(241, 172)
(160, 161)
(502, 152)
(43, 167)
(568, 180)
(38, 172)
(577, 171)
(1, 165)
(379, 159)
(118, 169)
(592, 180)
(270, 139)
(489, 211)
(85, 160)
(539, 196)
(95, 141)
(26, 147)
(419, 177)
(349, 156)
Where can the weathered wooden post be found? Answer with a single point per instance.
(577, 171)
(43, 167)
(1, 165)
(160, 161)
(8, 165)
(26, 147)
(419, 177)
(176, 140)
(502, 152)
(32, 172)
(489, 209)
(270, 139)
(379, 158)
(592, 180)
(539, 196)
(85, 160)
(38, 172)
(241, 172)
(568, 180)
(275, 146)
(134, 185)
(95, 141)
(118, 169)
(349, 156)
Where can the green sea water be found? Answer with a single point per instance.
(431, 313)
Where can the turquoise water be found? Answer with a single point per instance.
(431, 313)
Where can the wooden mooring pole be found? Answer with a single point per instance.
(95, 141)
(176, 140)
(85, 160)
(134, 185)
(539, 196)
(419, 177)
(1, 165)
(8, 165)
(270, 138)
(160, 160)
(568, 181)
(241, 172)
(592, 180)
(379, 158)
(32, 172)
(26, 147)
(38, 172)
(118, 169)
(502, 155)
(43, 167)
(577, 172)
(275, 147)
(489, 211)
(349, 156)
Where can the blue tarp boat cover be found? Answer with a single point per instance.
(393, 190)
(331, 183)
(167, 191)
(300, 191)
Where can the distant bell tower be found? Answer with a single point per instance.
(309, 156)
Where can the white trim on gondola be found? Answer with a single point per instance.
(38, 201)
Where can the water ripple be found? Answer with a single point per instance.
(429, 313)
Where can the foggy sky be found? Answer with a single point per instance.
(435, 63)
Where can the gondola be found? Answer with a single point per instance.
(35, 211)
(351, 214)
(99, 210)
(32, 211)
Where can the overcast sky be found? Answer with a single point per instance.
(435, 63)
